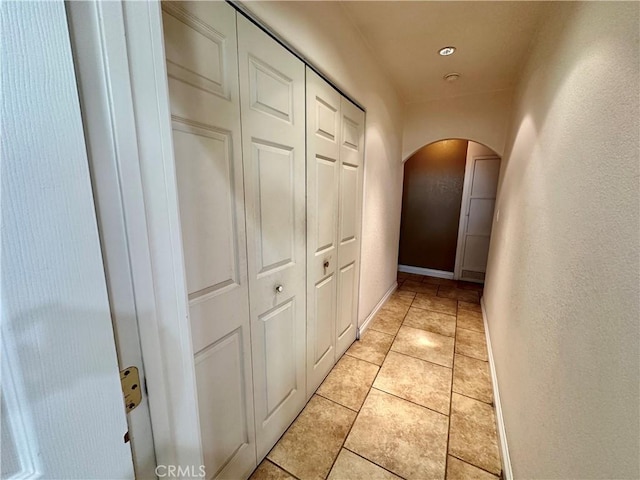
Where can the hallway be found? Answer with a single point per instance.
(411, 399)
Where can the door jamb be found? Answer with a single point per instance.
(464, 208)
(133, 103)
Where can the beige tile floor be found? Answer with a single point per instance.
(412, 399)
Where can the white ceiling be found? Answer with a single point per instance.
(492, 40)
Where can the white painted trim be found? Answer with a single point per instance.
(362, 328)
(148, 192)
(425, 271)
(507, 473)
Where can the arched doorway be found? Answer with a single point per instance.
(448, 205)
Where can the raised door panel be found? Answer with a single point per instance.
(323, 169)
(350, 222)
(221, 388)
(201, 51)
(273, 144)
(485, 178)
(480, 216)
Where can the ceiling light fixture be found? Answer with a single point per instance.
(451, 77)
(446, 51)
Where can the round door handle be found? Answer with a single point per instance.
(279, 289)
(326, 264)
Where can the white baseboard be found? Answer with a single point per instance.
(383, 300)
(507, 474)
(425, 271)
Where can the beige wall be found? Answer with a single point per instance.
(562, 293)
(482, 118)
(322, 33)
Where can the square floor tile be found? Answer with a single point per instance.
(474, 307)
(471, 378)
(419, 287)
(372, 346)
(435, 304)
(402, 295)
(431, 321)
(473, 436)
(470, 320)
(455, 293)
(402, 298)
(349, 382)
(388, 320)
(312, 443)
(398, 303)
(268, 471)
(421, 382)
(407, 439)
(472, 344)
(350, 466)
(459, 470)
(424, 345)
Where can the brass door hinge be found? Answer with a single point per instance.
(130, 381)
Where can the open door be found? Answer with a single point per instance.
(63, 414)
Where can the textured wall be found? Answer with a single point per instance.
(482, 118)
(62, 399)
(562, 292)
(431, 199)
(322, 33)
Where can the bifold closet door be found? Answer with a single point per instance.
(201, 53)
(350, 222)
(272, 93)
(323, 168)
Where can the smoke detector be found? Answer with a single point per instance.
(451, 77)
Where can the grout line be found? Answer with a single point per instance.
(474, 465)
(453, 364)
(467, 356)
(409, 401)
(338, 403)
(277, 466)
(362, 359)
(366, 396)
(422, 359)
(371, 461)
(471, 398)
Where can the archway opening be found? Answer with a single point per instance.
(448, 203)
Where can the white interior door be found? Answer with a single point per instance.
(478, 214)
(62, 411)
(323, 168)
(272, 94)
(201, 51)
(350, 222)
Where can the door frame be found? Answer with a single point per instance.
(131, 123)
(466, 198)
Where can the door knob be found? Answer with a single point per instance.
(279, 289)
(326, 264)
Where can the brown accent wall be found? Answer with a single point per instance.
(431, 199)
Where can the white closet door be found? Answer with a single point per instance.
(349, 225)
(201, 51)
(272, 92)
(479, 217)
(323, 168)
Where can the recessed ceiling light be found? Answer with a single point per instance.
(446, 51)
(452, 77)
